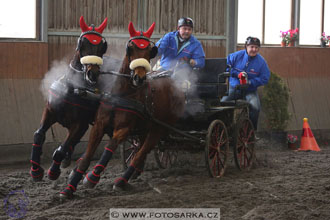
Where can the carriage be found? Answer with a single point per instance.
(208, 125)
(146, 109)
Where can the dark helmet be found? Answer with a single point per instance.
(252, 40)
(185, 22)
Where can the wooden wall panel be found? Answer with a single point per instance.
(21, 109)
(214, 48)
(307, 73)
(65, 14)
(20, 60)
(208, 16)
(298, 62)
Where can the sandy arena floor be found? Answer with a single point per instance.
(282, 185)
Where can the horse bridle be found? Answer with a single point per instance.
(154, 49)
(91, 32)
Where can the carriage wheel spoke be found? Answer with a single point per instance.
(221, 163)
(218, 164)
(250, 134)
(246, 158)
(214, 163)
(212, 153)
(223, 152)
(215, 148)
(249, 150)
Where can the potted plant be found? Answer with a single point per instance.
(285, 39)
(292, 141)
(275, 102)
(324, 40)
(289, 37)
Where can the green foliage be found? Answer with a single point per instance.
(275, 100)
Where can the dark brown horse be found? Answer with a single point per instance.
(66, 106)
(132, 106)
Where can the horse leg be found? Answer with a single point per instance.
(136, 166)
(139, 170)
(67, 159)
(95, 138)
(47, 120)
(74, 135)
(93, 177)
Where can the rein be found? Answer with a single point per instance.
(116, 74)
(71, 67)
(149, 74)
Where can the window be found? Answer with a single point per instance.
(310, 22)
(263, 22)
(266, 18)
(249, 19)
(18, 19)
(277, 18)
(326, 25)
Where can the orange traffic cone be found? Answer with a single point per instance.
(308, 141)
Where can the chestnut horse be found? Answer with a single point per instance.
(67, 107)
(132, 107)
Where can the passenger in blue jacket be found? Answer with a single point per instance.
(181, 45)
(248, 64)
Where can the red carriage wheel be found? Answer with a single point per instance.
(216, 148)
(244, 144)
(166, 158)
(128, 150)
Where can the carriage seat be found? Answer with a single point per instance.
(210, 82)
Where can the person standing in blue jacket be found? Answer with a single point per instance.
(181, 45)
(248, 64)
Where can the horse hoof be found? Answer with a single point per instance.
(135, 175)
(88, 184)
(120, 185)
(37, 174)
(53, 175)
(91, 180)
(66, 163)
(118, 188)
(66, 194)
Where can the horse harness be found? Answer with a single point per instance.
(120, 102)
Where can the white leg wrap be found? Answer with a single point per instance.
(140, 62)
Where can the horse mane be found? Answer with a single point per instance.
(124, 69)
(75, 62)
(121, 83)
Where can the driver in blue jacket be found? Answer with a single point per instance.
(181, 45)
(251, 66)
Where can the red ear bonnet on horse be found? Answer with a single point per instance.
(141, 43)
(93, 38)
